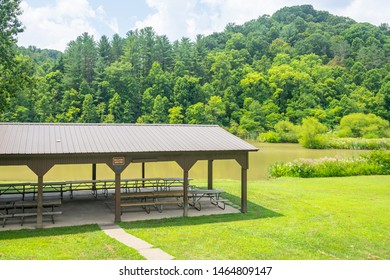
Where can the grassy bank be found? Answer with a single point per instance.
(68, 243)
(288, 218)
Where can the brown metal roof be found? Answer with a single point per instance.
(45, 138)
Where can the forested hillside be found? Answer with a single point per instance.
(297, 63)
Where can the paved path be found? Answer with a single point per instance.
(144, 248)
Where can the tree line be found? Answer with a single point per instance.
(297, 63)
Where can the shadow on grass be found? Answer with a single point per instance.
(255, 212)
(31, 233)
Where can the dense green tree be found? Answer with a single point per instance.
(195, 114)
(115, 107)
(89, 113)
(187, 91)
(175, 115)
(10, 26)
(159, 111)
(310, 134)
(105, 51)
(117, 47)
(363, 125)
(80, 61)
(297, 65)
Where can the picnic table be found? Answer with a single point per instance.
(23, 209)
(16, 188)
(157, 198)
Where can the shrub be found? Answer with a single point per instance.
(363, 125)
(285, 132)
(374, 163)
(380, 158)
(270, 137)
(311, 134)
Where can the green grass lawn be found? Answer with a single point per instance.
(288, 218)
(68, 243)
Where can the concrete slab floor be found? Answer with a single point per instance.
(84, 209)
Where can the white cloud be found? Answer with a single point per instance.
(178, 18)
(170, 17)
(53, 26)
(375, 12)
(56, 24)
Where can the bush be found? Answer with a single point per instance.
(285, 132)
(363, 125)
(380, 158)
(311, 134)
(270, 137)
(374, 163)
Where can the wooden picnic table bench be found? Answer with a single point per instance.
(56, 186)
(35, 214)
(16, 188)
(145, 199)
(22, 205)
(213, 195)
(141, 199)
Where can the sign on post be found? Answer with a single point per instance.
(118, 161)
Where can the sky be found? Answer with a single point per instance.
(52, 24)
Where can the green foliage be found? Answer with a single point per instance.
(358, 143)
(381, 159)
(175, 115)
(10, 26)
(363, 125)
(374, 163)
(299, 63)
(311, 134)
(285, 132)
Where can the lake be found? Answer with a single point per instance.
(223, 169)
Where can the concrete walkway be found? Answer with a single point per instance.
(143, 247)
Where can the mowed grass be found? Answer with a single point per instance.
(289, 218)
(68, 243)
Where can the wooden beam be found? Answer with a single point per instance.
(244, 191)
(118, 163)
(117, 196)
(185, 193)
(143, 174)
(94, 176)
(40, 202)
(210, 175)
(40, 168)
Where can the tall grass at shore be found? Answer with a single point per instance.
(373, 163)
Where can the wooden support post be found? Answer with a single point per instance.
(118, 164)
(186, 164)
(244, 192)
(143, 174)
(210, 175)
(185, 193)
(117, 196)
(40, 168)
(94, 176)
(40, 202)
